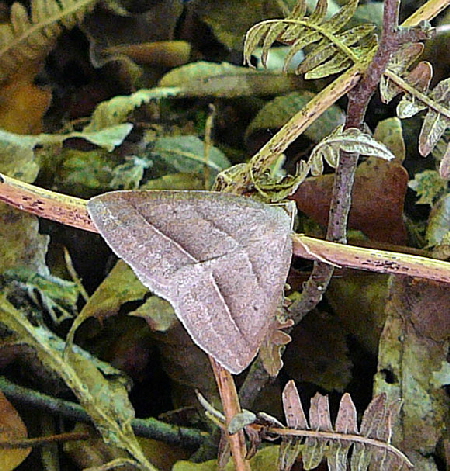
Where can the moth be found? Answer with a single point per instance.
(221, 260)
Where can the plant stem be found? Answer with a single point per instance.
(359, 98)
(426, 12)
(231, 407)
(73, 212)
(149, 428)
(42, 441)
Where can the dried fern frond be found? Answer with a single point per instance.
(371, 444)
(26, 38)
(334, 52)
(414, 85)
(342, 445)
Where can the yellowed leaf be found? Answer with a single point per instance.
(120, 286)
(23, 104)
(11, 428)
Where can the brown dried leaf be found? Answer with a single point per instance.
(335, 444)
(272, 347)
(420, 77)
(23, 104)
(319, 419)
(380, 217)
(346, 420)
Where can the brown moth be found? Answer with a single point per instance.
(221, 260)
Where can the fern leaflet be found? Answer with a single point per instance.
(28, 38)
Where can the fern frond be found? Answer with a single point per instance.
(414, 85)
(319, 439)
(299, 31)
(417, 96)
(328, 150)
(399, 65)
(28, 38)
(371, 444)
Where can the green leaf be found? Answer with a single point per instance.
(115, 111)
(299, 10)
(186, 154)
(108, 138)
(435, 123)
(264, 460)
(22, 146)
(270, 37)
(439, 222)
(106, 401)
(253, 37)
(304, 40)
(338, 63)
(57, 297)
(428, 185)
(225, 80)
(278, 112)
(298, 32)
(409, 106)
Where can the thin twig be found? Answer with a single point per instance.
(426, 12)
(359, 95)
(46, 204)
(42, 441)
(149, 428)
(379, 261)
(359, 98)
(73, 212)
(231, 407)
